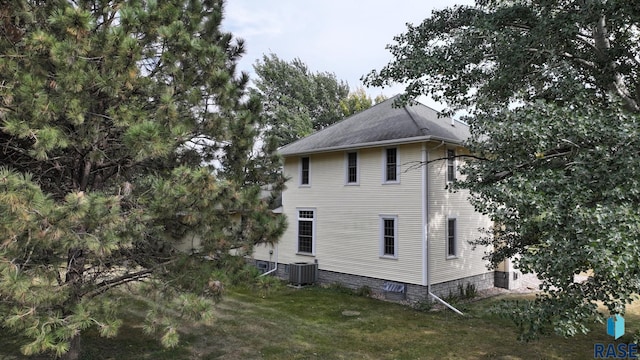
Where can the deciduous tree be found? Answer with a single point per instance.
(552, 90)
(356, 101)
(296, 100)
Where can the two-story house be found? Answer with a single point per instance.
(363, 205)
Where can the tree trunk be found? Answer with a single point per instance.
(74, 349)
(75, 270)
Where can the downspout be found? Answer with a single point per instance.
(276, 263)
(446, 304)
(426, 212)
(275, 268)
(425, 220)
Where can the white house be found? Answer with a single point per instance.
(362, 205)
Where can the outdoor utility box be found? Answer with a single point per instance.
(302, 273)
(394, 291)
(262, 266)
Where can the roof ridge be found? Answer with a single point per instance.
(338, 122)
(423, 130)
(383, 123)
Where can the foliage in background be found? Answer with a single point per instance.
(552, 89)
(298, 102)
(124, 127)
(358, 100)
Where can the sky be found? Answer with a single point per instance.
(344, 37)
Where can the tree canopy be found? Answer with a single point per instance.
(552, 92)
(358, 100)
(123, 128)
(296, 100)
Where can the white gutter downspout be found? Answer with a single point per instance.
(425, 228)
(425, 220)
(276, 266)
(446, 304)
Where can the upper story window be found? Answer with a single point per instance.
(304, 171)
(451, 165)
(391, 165)
(352, 168)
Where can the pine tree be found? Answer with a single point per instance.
(123, 127)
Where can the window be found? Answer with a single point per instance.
(391, 165)
(306, 231)
(352, 168)
(451, 238)
(389, 236)
(304, 171)
(451, 165)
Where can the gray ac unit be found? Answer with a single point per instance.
(301, 273)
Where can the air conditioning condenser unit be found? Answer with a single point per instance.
(301, 273)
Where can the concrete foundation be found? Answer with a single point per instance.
(411, 293)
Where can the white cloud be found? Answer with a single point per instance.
(347, 38)
(247, 23)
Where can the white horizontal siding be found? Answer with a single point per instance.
(261, 252)
(443, 205)
(348, 217)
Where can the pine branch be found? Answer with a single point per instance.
(109, 284)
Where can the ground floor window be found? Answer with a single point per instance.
(389, 236)
(306, 231)
(452, 250)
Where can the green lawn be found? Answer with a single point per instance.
(317, 323)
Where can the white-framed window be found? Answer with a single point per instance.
(390, 167)
(305, 173)
(451, 165)
(306, 231)
(452, 238)
(352, 175)
(389, 236)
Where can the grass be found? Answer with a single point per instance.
(318, 323)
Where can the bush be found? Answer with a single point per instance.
(453, 298)
(339, 287)
(245, 276)
(470, 291)
(466, 292)
(210, 277)
(424, 305)
(265, 284)
(364, 291)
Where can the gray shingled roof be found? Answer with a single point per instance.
(381, 124)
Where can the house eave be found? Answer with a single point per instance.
(411, 140)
